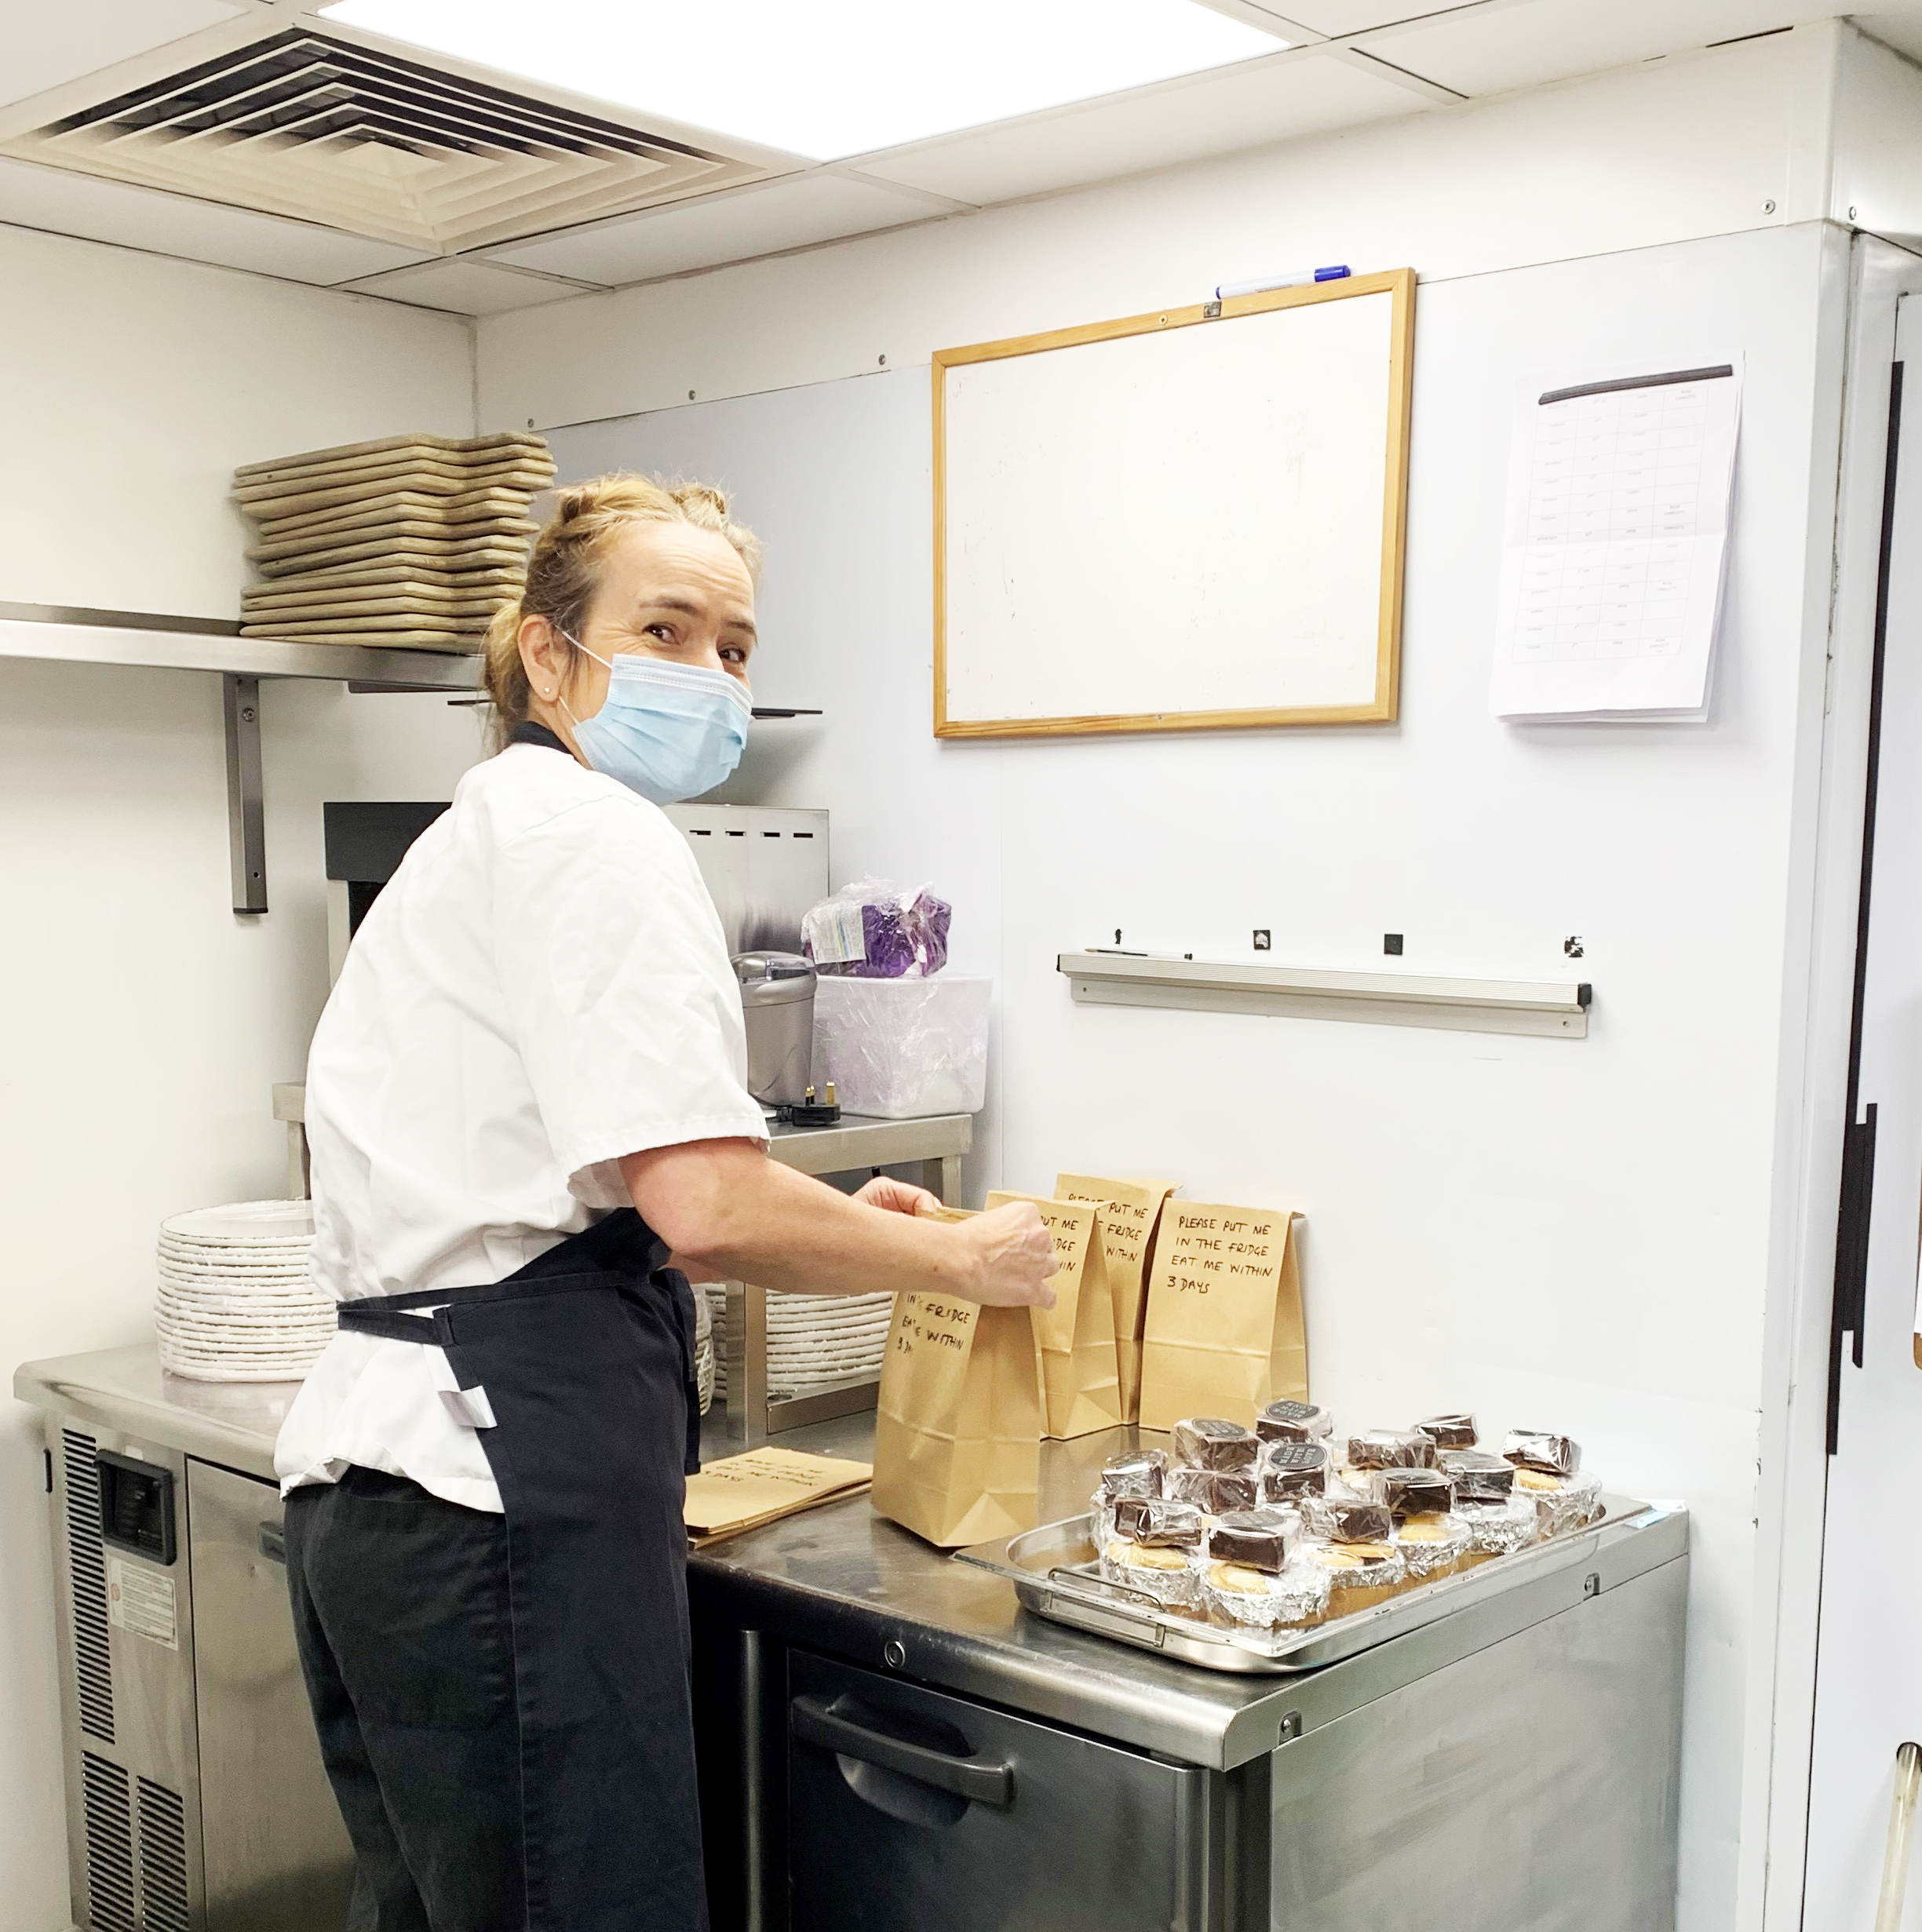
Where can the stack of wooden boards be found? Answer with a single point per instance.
(411, 541)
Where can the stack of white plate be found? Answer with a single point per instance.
(704, 1352)
(813, 1340)
(235, 1302)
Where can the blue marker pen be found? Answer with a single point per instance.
(1299, 279)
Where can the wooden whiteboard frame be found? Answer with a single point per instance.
(1399, 283)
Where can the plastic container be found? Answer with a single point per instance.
(903, 1048)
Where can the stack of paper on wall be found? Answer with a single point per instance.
(1616, 545)
(411, 541)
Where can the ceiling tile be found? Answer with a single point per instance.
(468, 288)
(1245, 106)
(1353, 16)
(1491, 50)
(199, 231)
(43, 45)
(789, 213)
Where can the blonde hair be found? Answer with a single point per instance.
(564, 568)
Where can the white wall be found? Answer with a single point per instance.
(1589, 1233)
(145, 1020)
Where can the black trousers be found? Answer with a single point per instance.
(402, 1615)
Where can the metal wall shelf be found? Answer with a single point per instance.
(1556, 1007)
(135, 638)
(145, 639)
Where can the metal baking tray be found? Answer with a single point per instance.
(1055, 1574)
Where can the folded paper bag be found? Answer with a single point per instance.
(957, 1425)
(1224, 1334)
(1081, 1390)
(1131, 1211)
(742, 1492)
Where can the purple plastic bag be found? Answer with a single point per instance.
(871, 930)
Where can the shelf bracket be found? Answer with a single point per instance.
(246, 828)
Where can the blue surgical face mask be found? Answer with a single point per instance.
(667, 731)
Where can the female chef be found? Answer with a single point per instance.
(525, 1105)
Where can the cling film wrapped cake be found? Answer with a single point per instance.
(1501, 1527)
(1253, 1574)
(1290, 1524)
(1561, 1503)
(1154, 1549)
(1217, 1491)
(1360, 1575)
(1214, 1442)
(1431, 1546)
(1291, 1471)
(1135, 1473)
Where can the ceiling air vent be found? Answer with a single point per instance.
(327, 130)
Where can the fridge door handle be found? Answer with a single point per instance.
(273, 1542)
(980, 1783)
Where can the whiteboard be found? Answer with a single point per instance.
(1176, 521)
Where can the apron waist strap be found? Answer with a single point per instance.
(393, 1324)
(407, 1317)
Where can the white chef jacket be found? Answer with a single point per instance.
(541, 987)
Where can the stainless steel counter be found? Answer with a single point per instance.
(1513, 1763)
(841, 1579)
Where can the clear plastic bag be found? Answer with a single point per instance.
(872, 930)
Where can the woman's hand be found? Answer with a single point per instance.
(895, 1197)
(1011, 1254)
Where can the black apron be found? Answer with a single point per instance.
(585, 1358)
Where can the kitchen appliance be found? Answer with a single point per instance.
(777, 1007)
(763, 867)
(888, 1740)
(363, 843)
(763, 864)
(195, 1798)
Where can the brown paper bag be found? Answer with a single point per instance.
(1081, 1389)
(1129, 1213)
(1224, 1333)
(958, 1427)
(761, 1486)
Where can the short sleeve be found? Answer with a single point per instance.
(616, 983)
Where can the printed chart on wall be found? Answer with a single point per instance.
(1615, 544)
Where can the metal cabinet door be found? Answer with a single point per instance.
(277, 1854)
(908, 1808)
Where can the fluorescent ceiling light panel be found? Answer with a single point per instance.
(827, 78)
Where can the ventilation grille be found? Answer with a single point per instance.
(86, 1559)
(110, 1845)
(163, 1859)
(327, 130)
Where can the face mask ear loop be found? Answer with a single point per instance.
(585, 653)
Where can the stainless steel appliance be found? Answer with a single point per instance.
(777, 1005)
(888, 1738)
(196, 1800)
(892, 1740)
(765, 866)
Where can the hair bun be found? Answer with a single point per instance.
(704, 493)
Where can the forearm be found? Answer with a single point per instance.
(729, 1212)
